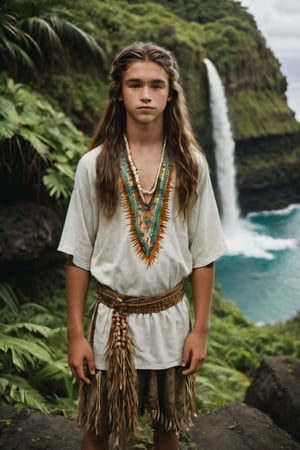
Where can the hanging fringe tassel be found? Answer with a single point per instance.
(182, 419)
(121, 378)
(91, 413)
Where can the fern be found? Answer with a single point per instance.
(23, 352)
(19, 390)
(43, 141)
(8, 297)
(28, 326)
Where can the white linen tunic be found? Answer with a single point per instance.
(104, 247)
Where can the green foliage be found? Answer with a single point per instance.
(20, 392)
(235, 349)
(203, 11)
(37, 37)
(33, 365)
(264, 112)
(81, 98)
(37, 140)
(33, 349)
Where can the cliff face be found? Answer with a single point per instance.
(267, 140)
(268, 169)
(266, 133)
(265, 130)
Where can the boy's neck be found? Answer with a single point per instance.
(145, 137)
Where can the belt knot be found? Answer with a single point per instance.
(120, 322)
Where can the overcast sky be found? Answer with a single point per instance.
(279, 22)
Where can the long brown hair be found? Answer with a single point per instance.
(177, 128)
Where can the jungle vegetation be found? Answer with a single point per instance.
(34, 370)
(54, 67)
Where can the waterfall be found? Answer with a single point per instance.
(224, 151)
(241, 235)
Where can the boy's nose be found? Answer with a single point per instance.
(145, 94)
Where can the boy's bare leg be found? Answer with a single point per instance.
(93, 442)
(165, 439)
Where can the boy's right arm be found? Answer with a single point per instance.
(79, 349)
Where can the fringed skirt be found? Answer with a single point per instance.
(166, 395)
(116, 397)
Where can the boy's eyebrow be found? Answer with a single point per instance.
(155, 80)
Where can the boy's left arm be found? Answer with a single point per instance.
(195, 346)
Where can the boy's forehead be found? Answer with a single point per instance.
(145, 70)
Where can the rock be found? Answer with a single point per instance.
(232, 427)
(27, 232)
(264, 185)
(275, 389)
(239, 427)
(28, 429)
(29, 235)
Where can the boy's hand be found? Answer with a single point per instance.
(81, 359)
(194, 353)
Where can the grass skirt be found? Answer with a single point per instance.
(166, 395)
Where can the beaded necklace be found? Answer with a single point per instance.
(135, 171)
(147, 221)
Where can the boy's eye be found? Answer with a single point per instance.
(135, 85)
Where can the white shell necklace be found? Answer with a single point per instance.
(135, 171)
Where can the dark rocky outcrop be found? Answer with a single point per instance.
(29, 429)
(275, 389)
(232, 427)
(239, 427)
(27, 232)
(28, 239)
(268, 170)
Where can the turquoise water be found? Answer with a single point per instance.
(261, 272)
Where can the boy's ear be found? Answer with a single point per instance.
(120, 99)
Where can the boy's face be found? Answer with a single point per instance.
(145, 92)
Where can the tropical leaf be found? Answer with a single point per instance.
(8, 297)
(36, 38)
(56, 184)
(204, 384)
(221, 371)
(42, 33)
(15, 44)
(23, 352)
(21, 391)
(8, 110)
(7, 129)
(27, 326)
(36, 137)
(3, 385)
(53, 371)
(37, 142)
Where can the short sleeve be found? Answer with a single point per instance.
(206, 238)
(82, 218)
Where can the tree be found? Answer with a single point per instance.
(37, 37)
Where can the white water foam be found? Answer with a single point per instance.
(247, 241)
(242, 237)
(276, 212)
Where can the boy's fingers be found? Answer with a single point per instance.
(185, 357)
(91, 365)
